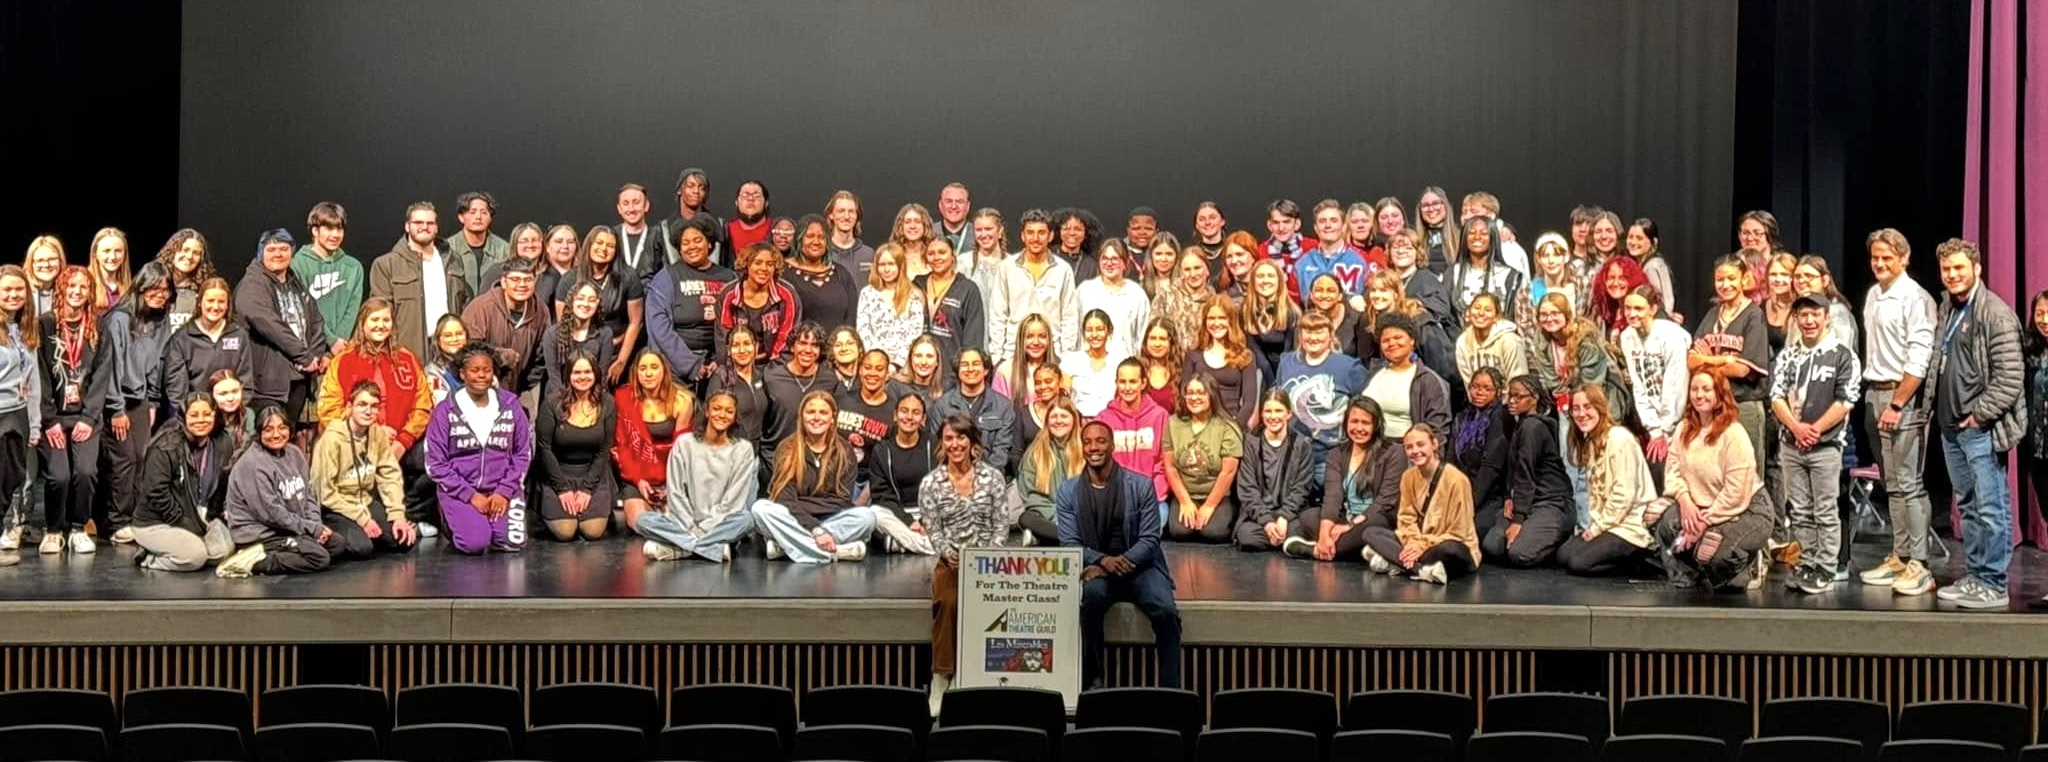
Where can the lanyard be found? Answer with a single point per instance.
(73, 344)
(638, 251)
(1956, 321)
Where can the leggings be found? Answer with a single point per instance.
(1456, 558)
(14, 467)
(1542, 532)
(124, 469)
(1217, 530)
(1601, 556)
(352, 541)
(70, 477)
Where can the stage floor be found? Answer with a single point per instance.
(615, 568)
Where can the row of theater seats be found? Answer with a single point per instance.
(604, 722)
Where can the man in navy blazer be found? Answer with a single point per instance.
(1112, 515)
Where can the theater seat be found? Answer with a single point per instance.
(450, 742)
(769, 706)
(316, 742)
(1999, 724)
(722, 743)
(181, 742)
(1929, 750)
(463, 704)
(1527, 746)
(1312, 712)
(1036, 708)
(884, 705)
(995, 743)
(1804, 749)
(1122, 744)
(1664, 748)
(854, 743)
(1258, 745)
(1404, 745)
(1571, 714)
(344, 704)
(44, 742)
(57, 706)
(633, 706)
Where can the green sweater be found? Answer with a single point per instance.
(336, 285)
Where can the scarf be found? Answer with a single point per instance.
(1102, 511)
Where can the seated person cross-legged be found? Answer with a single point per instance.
(1112, 515)
(179, 526)
(270, 508)
(712, 478)
(1273, 479)
(1433, 538)
(809, 515)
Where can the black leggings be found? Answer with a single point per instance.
(1601, 556)
(123, 472)
(70, 476)
(14, 464)
(351, 541)
(1542, 532)
(297, 555)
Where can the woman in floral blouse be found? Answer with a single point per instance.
(960, 505)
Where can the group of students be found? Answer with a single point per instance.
(1414, 394)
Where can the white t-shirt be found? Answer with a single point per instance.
(434, 288)
(1390, 388)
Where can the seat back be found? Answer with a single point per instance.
(1123, 744)
(767, 706)
(1171, 709)
(722, 743)
(1805, 749)
(182, 741)
(60, 706)
(1527, 746)
(462, 704)
(316, 742)
(1571, 714)
(1404, 745)
(450, 742)
(2005, 725)
(633, 706)
(1452, 714)
(344, 704)
(1942, 750)
(1313, 712)
(1865, 722)
(1660, 747)
(585, 743)
(1017, 707)
(995, 743)
(1716, 717)
(188, 705)
(1258, 745)
(857, 743)
(51, 741)
(884, 705)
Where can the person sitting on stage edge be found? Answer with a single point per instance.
(1202, 451)
(1361, 487)
(270, 511)
(809, 513)
(963, 505)
(1112, 515)
(1053, 458)
(575, 429)
(712, 477)
(1618, 482)
(357, 479)
(1432, 537)
(895, 467)
(1715, 521)
(479, 445)
(1273, 479)
(178, 526)
(1539, 505)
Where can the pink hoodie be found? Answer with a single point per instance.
(1140, 438)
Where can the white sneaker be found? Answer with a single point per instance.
(80, 542)
(940, 683)
(1028, 541)
(661, 551)
(124, 536)
(427, 531)
(53, 543)
(1379, 565)
(1759, 570)
(851, 551)
(772, 551)
(11, 539)
(1433, 572)
(242, 563)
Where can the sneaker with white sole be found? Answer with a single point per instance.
(11, 539)
(1759, 571)
(81, 543)
(427, 531)
(1883, 573)
(1432, 572)
(940, 683)
(1298, 548)
(124, 536)
(1915, 580)
(771, 551)
(53, 543)
(1981, 596)
(661, 551)
(1811, 581)
(851, 551)
(1028, 540)
(1375, 562)
(1957, 589)
(242, 563)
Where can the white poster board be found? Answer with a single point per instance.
(1020, 619)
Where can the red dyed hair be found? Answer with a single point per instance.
(1607, 309)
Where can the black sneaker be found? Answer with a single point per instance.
(1298, 548)
(1813, 581)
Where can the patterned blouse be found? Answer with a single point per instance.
(882, 327)
(954, 522)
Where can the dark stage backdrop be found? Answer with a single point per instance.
(552, 104)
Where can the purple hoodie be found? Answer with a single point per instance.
(462, 464)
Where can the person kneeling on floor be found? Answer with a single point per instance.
(358, 480)
(270, 507)
(1112, 515)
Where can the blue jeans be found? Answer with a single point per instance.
(711, 544)
(1978, 473)
(1152, 591)
(852, 525)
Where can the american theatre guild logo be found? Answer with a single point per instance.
(1015, 655)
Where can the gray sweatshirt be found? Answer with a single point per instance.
(21, 385)
(270, 496)
(707, 484)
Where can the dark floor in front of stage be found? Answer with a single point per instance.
(614, 568)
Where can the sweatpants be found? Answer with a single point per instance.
(473, 533)
(1152, 591)
(1735, 544)
(296, 555)
(1812, 482)
(711, 544)
(1217, 530)
(1902, 453)
(354, 542)
(171, 549)
(1542, 533)
(1602, 556)
(70, 476)
(1456, 558)
(945, 617)
(124, 469)
(852, 525)
(900, 538)
(1251, 535)
(1041, 528)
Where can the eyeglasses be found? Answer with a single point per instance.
(750, 196)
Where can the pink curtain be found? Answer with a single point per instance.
(2005, 180)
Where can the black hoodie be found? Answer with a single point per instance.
(285, 329)
(174, 487)
(1537, 480)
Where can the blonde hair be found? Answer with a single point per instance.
(1261, 315)
(789, 456)
(1041, 451)
(122, 280)
(899, 292)
(28, 261)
